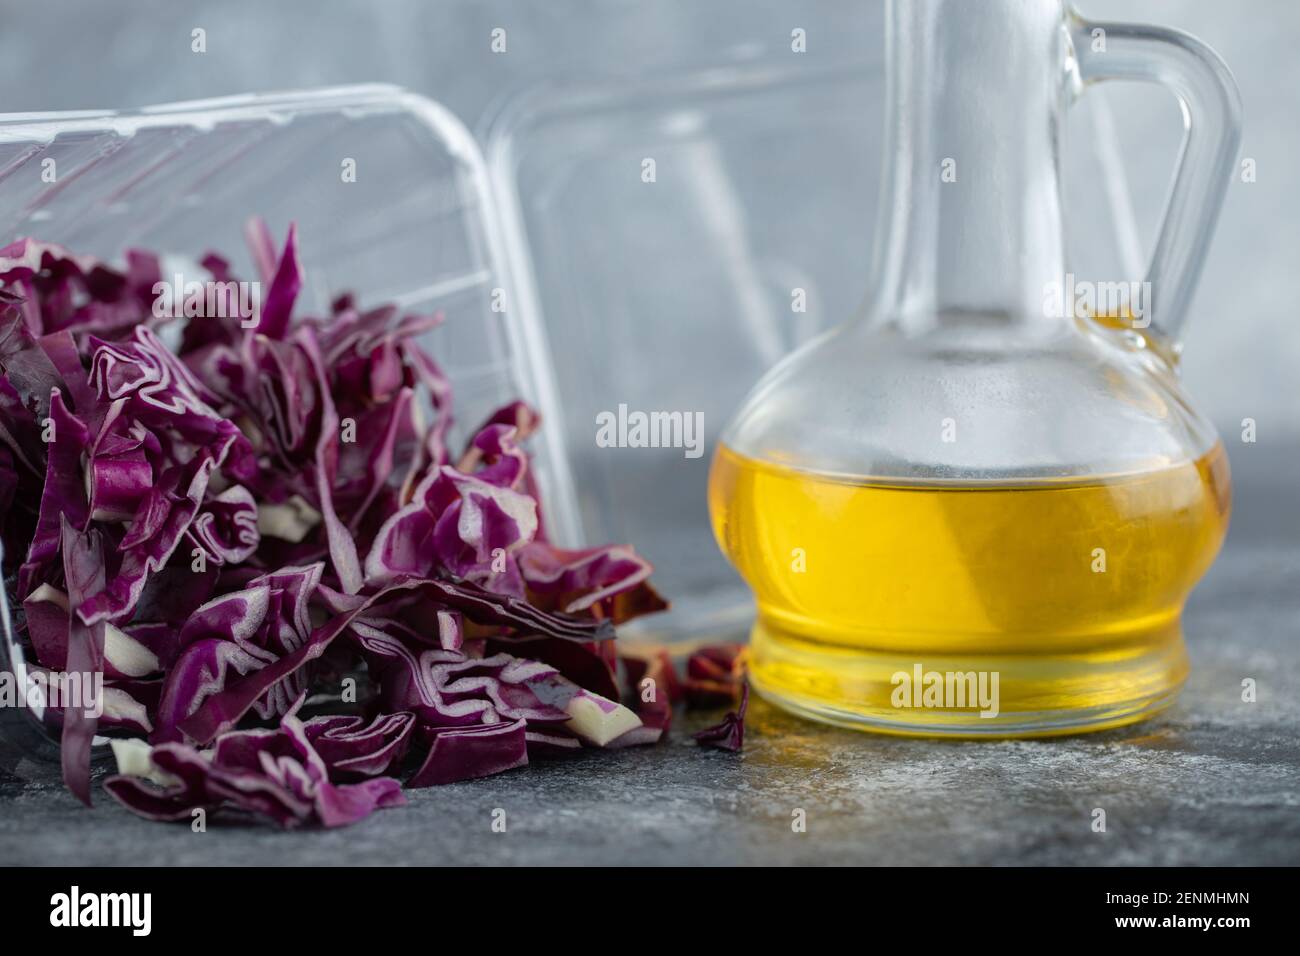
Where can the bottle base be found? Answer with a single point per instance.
(968, 695)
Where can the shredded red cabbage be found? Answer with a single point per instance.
(227, 518)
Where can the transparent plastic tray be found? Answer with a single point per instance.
(416, 227)
(677, 294)
(672, 295)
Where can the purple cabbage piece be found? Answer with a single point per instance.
(48, 622)
(156, 529)
(366, 469)
(487, 607)
(64, 497)
(60, 348)
(495, 453)
(460, 523)
(202, 670)
(47, 627)
(226, 526)
(120, 477)
(170, 596)
(222, 710)
(550, 743)
(438, 387)
(465, 753)
(261, 246)
(353, 749)
(373, 382)
(611, 583)
(146, 385)
(61, 291)
(285, 285)
(470, 520)
(729, 734)
(578, 662)
(29, 376)
(342, 547)
(161, 391)
(240, 634)
(277, 774)
(123, 705)
(448, 689)
(83, 568)
(127, 706)
(283, 400)
(451, 630)
(167, 804)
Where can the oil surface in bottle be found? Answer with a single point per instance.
(1071, 590)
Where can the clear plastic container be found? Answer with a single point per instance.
(416, 227)
(671, 295)
(678, 294)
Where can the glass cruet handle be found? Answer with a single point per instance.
(1211, 108)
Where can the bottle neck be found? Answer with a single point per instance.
(971, 206)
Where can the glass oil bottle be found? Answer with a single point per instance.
(977, 509)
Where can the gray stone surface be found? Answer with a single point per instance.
(1213, 781)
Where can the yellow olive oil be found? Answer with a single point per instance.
(872, 594)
